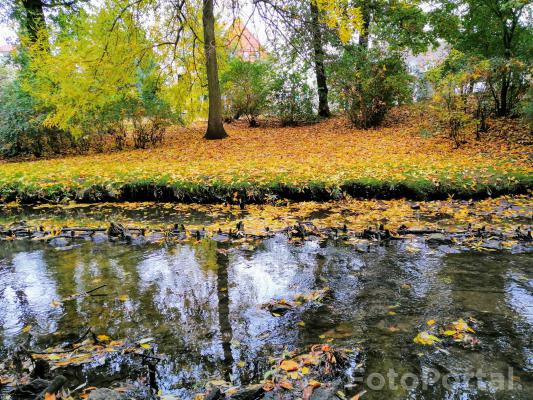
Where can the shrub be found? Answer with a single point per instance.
(527, 108)
(21, 128)
(246, 86)
(454, 100)
(291, 100)
(367, 83)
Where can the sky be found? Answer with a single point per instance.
(255, 25)
(7, 34)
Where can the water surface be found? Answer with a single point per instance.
(202, 307)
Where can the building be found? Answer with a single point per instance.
(5, 51)
(242, 43)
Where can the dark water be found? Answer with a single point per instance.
(203, 309)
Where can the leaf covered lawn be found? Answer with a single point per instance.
(329, 158)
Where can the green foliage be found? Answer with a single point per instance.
(246, 87)
(496, 31)
(291, 100)
(527, 108)
(367, 83)
(454, 99)
(21, 129)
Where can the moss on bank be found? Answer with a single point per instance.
(257, 193)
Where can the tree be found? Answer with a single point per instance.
(497, 30)
(215, 126)
(320, 70)
(34, 18)
(307, 27)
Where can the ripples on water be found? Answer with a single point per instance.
(203, 308)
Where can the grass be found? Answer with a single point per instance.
(316, 162)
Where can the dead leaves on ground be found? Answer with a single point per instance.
(330, 153)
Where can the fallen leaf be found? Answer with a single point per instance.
(314, 384)
(293, 375)
(289, 365)
(285, 384)
(431, 322)
(268, 386)
(426, 339)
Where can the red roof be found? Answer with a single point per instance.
(245, 43)
(6, 48)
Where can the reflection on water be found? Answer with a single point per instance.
(202, 305)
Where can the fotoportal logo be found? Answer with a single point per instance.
(392, 380)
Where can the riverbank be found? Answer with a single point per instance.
(320, 162)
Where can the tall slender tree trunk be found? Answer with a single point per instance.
(320, 70)
(36, 24)
(215, 126)
(35, 21)
(363, 36)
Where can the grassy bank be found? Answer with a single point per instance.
(319, 162)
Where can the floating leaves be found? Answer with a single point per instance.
(458, 331)
(90, 350)
(289, 365)
(426, 339)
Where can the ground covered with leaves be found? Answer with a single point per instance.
(316, 162)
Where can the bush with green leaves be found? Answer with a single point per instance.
(527, 108)
(21, 126)
(292, 99)
(246, 86)
(366, 83)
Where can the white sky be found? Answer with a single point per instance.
(7, 34)
(255, 25)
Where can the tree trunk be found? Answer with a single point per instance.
(363, 36)
(35, 21)
(215, 126)
(320, 71)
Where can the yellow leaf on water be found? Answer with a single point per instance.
(304, 371)
(146, 345)
(293, 375)
(289, 365)
(315, 384)
(449, 333)
(431, 322)
(103, 338)
(124, 297)
(285, 384)
(27, 328)
(426, 339)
